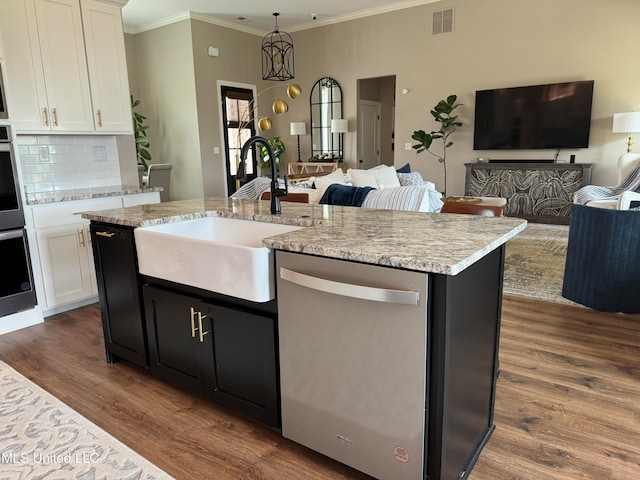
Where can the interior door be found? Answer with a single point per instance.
(238, 107)
(368, 134)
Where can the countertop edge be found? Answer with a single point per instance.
(279, 242)
(46, 198)
(337, 241)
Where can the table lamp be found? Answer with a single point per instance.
(339, 126)
(298, 128)
(629, 123)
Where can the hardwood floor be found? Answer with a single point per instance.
(568, 401)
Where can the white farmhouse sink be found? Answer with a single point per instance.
(222, 255)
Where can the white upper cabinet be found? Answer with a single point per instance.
(106, 59)
(51, 76)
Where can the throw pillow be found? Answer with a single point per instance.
(362, 178)
(337, 176)
(404, 169)
(386, 176)
(405, 198)
(413, 178)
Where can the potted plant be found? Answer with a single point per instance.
(278, 149)
(140, 134)
(443, 114)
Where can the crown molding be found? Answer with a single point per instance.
(254, 31)
(361, 14)
(119, 3)
(160, 23)
(225, 23)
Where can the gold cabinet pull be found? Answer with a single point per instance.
(99, 118)
(45, 116)
(55, 117)
(193, 322)
(81, 237)
(200, 329)
(105, 234)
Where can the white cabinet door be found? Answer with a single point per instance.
(24, 78)
(47, 75)
(64, 262)
(107, 63)
(59, 25)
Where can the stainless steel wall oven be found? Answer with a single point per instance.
(16, 279)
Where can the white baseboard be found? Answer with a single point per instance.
(69, 306)
(16, 321)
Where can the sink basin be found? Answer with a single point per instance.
(217, 254)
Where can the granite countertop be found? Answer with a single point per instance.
(426, 242)
(86, 193)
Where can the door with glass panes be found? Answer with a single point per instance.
(237, 112)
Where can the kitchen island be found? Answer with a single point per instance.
(434, 376)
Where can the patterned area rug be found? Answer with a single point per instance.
(534, 263)
(41, 437)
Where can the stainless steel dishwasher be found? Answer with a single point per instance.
(353, 362)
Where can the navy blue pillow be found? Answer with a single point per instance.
(404, 169)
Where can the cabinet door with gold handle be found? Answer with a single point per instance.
(114, 255)
(180, 348)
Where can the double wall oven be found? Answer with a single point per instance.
(17, 291)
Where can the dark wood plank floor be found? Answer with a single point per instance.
(568, 402)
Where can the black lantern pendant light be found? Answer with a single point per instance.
(277, 55)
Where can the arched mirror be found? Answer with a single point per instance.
(326, 105)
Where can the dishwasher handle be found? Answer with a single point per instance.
(405, 297)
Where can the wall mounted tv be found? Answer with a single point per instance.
(553, 116)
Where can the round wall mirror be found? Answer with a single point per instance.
(326, 105)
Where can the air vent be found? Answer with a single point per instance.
(442, 21)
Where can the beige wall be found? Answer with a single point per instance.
(166, 88)
(496, 43)
(231, 66)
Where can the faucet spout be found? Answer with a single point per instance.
(276, 192)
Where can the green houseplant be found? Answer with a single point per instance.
(278, 149)
(140, 134)
(443, 114)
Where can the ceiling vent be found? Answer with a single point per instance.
(442, 21)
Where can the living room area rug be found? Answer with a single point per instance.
(534, 263)
(41, 437)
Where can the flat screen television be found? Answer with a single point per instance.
(552, 116)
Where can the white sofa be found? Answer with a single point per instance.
(407, 192)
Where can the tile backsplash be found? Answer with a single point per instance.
(66, 162)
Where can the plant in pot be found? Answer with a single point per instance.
(443, 114)
(278, 149)
(140, 134)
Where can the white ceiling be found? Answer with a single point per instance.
(140, 15)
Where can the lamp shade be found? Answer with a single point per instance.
(628, 122)
(298, 128)
(339, 125)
